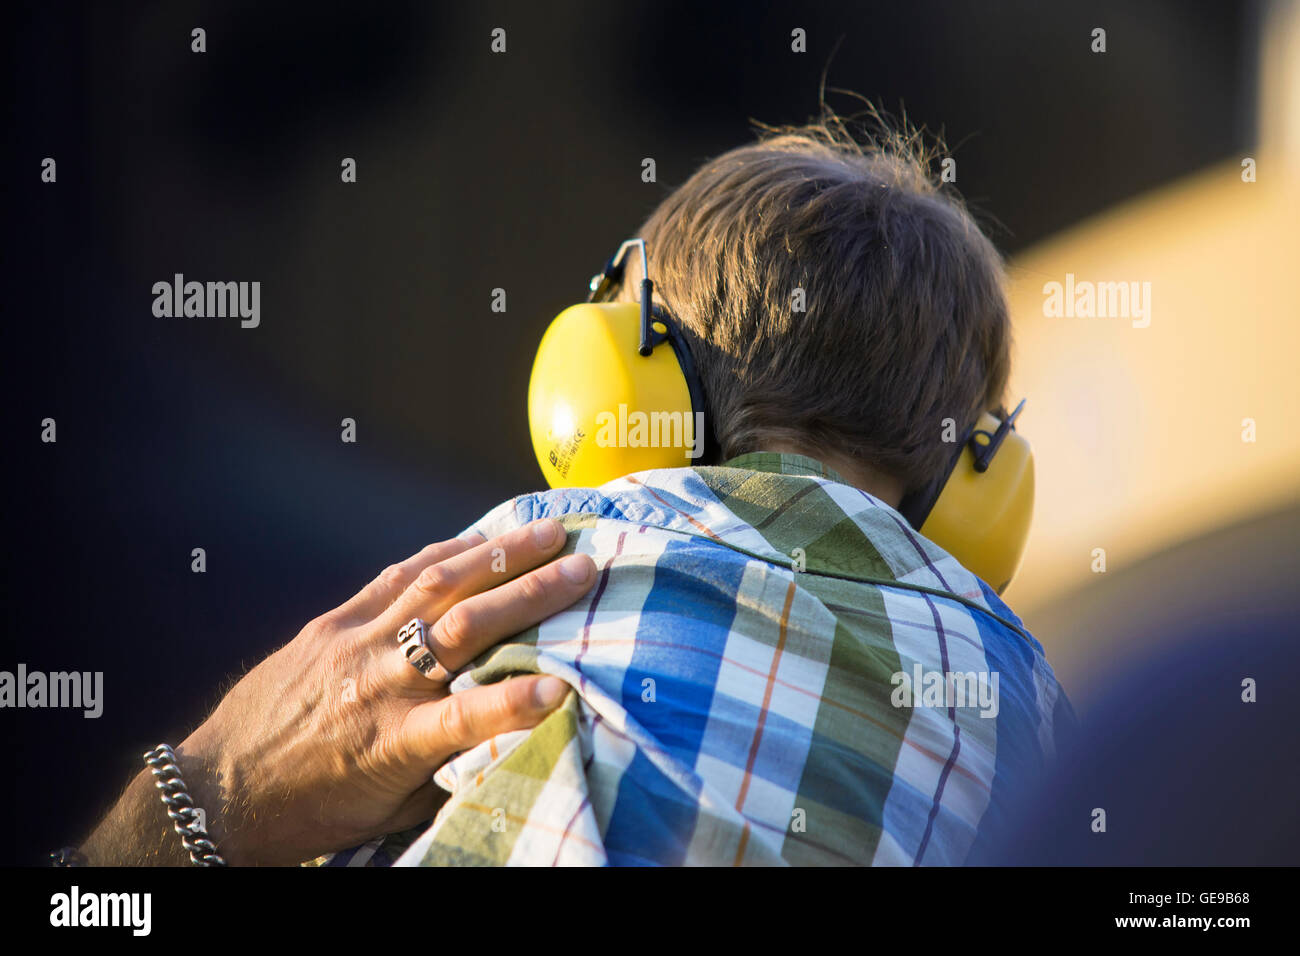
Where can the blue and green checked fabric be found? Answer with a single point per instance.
(738, 697)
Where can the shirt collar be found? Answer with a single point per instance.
(784, 463)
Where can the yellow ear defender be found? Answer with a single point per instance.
(980, 509)
(614, 390)
(607, 398)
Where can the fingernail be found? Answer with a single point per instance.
(576, 567)
(473, 538)
(544, 532)
(549, 690)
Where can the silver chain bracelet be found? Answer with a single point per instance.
(180, 807)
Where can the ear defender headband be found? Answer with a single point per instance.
(614, 391)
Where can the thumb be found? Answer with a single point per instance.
(435, 730)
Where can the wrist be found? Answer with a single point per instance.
(213, 785)
(136, 832)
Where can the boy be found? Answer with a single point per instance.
(744, 666)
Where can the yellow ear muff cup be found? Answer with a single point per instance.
(982, 519)
(597, 409)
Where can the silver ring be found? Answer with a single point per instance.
(414, 641)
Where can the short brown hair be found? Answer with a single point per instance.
(906, 320)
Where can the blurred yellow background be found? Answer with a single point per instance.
(1138, 432)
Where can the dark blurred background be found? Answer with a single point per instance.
(475, 171)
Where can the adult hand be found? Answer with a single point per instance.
(333, 739)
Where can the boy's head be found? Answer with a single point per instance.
(904, 321)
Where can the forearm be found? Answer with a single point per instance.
(138, 831)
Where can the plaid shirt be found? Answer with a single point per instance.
(762, 677)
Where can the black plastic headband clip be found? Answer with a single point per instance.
(985, 451)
